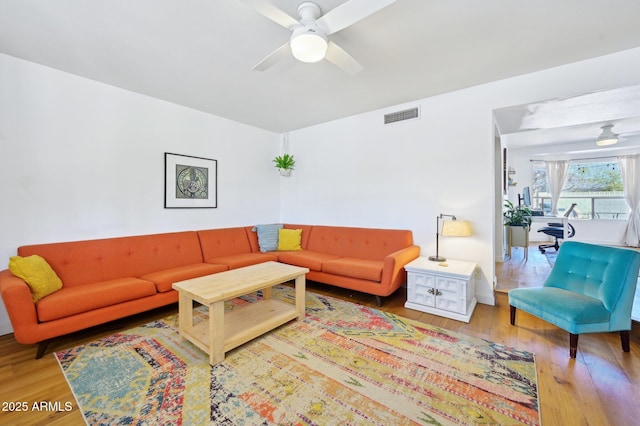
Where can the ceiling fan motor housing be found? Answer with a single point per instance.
(309, 42)
(309, 11)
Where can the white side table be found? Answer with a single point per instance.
(441, 288)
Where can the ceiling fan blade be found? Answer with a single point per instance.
(271, 12)
(274, 57)
(349, 13)
(337, 56)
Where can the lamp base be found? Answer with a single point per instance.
(437, 258)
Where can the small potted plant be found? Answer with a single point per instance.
(285, 164)
(516, 215)
(517, 219)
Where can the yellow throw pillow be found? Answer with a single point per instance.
(289, 239)
(37, 273)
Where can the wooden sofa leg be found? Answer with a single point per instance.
(624, 338)
(42, 348)
(378, 301)
(573, 345)
(512, 314)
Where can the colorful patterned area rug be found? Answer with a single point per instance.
(344, 364)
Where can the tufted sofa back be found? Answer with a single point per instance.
(89, 261)
(223, 242)
(365, 243)
(601, 272)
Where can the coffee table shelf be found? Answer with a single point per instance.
(244, 324)
(223, 332)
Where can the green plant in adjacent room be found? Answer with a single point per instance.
(284, 163)
(517, 220)
(516, 215)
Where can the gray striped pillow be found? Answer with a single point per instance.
(268, 236)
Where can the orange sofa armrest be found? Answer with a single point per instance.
(16, 296)
(393, 269)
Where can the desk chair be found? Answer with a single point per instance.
(590, 290)
(556, 230)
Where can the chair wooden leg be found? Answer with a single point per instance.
(42, 348)
(573, 345)
(624, 338)
(512, 313)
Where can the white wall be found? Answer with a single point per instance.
(81, 160)
(357, 171)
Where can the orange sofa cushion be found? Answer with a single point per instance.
(74, 300)
(164, 279)
(305, 258)
(244, 259)
(365, 269)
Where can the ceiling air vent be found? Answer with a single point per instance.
(407, 114)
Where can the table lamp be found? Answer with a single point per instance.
(450, 228)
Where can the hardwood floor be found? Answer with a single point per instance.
(517, 271)
(600, 387)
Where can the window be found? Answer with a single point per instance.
(594, 185)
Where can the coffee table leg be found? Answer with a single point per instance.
(185, 312)
(216, 332)
(266, 293)
(300, 296)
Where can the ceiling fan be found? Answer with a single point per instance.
(309, 36)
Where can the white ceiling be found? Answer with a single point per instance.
(569, 127)
(199, 53)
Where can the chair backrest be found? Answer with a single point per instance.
(561, 225)
(570, 209)
(609, 274)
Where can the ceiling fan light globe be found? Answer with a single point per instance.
(308, 46)
(607, 137)
(605, 142)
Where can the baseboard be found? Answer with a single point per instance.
(486, 299)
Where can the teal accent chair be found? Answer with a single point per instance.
(590, 290)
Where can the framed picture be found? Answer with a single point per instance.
(190, 182)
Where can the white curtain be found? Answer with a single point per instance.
(556, 173)
(629, 169)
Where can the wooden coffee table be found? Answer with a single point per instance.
(223, 332)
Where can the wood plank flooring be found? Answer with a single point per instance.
(600, 387)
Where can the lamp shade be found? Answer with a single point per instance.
(450, 228)
(456, 228)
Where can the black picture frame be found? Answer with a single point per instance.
(190, 182)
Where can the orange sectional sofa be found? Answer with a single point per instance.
(111, 278)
